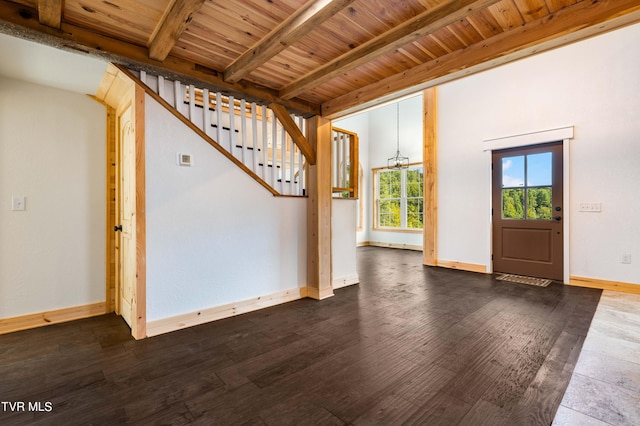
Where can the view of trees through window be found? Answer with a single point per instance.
(526, 183)
(400, 195)
(538, 203)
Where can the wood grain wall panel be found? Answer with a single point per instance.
(485, 23)
(555, 5)
(448, 39)
(28, 3)
(130, 21)
(466, 32)
(506, 14)
(421, 46)
(532, 9)
(194, 49)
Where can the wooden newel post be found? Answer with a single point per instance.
(319, 272)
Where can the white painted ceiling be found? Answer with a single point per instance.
(24, 60)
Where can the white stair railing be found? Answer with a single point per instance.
(249, 132)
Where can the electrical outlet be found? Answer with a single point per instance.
(18, 203)
(626, 258)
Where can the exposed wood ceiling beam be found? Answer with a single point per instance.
(289, 31)
(50, 12)
(408, 32)
(577, 22)
(296, 134)
(171, 26)
(20, 21)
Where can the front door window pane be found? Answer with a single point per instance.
(513, 203)
(513, 172)
(539, 169)
(539, 203)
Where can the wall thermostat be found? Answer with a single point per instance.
(184, 160)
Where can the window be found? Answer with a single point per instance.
(344, 153)
(399, 198)
(526, 186)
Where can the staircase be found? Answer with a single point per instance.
(250, 135)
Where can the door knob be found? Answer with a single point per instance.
(117, 228)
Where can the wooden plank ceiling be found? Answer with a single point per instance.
(327, 57)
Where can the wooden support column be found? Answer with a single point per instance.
(319, 272)
(430, 163)
(139, 322)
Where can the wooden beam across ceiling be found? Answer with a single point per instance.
(303, 21)
(171, 26)
(50, 12)
(20, 21)
(577, 22)
(414, 29)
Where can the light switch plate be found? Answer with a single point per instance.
(18, 203)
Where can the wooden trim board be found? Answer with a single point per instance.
(138, 326)
(471, 267)
(430, 176)
(604, 284)
(390, 245)
(191, 319)
(25, 322)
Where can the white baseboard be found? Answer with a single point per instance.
(345, 281)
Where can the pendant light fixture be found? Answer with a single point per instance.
(398, 161)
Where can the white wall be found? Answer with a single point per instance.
(214, 235)
(377, 132)
(343, 242)
(53, 151)
(360, 124)
(592, 85)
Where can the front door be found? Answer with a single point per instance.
(528, 211)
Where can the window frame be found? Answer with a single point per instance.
(403, 200)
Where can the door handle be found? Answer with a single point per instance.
(557, 218)
(117, 228)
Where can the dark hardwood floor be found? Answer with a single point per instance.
(409, 345)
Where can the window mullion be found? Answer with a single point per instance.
(403, 199)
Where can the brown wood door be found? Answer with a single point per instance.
(528, 211)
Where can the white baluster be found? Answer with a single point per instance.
(265, 143)
(254, 133)
(192, 103)
(219, 117)
(243, 129)
(232, 124)
(274, 146)
(206, 117)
